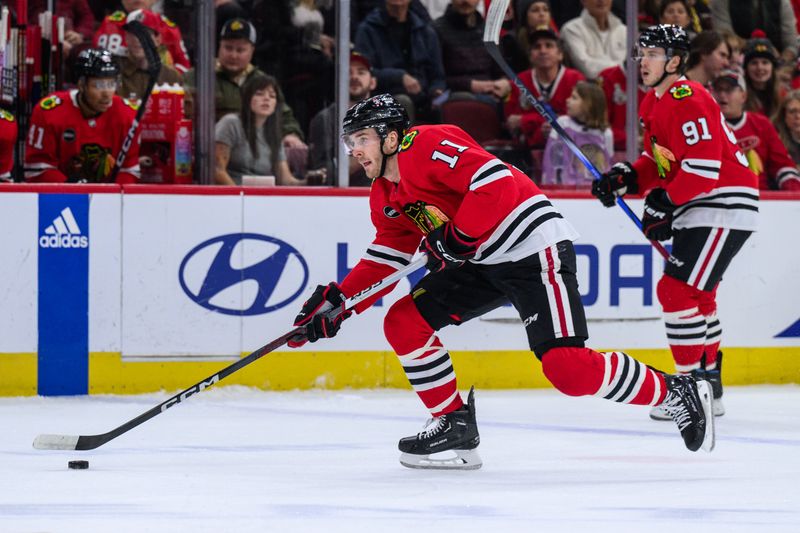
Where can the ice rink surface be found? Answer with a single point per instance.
(238, 460)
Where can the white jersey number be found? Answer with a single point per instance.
(696, 131)
(451, 160)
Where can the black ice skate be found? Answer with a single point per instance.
(688, 402)
(714, 378)
(452, 438)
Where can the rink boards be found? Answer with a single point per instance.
(126, 291)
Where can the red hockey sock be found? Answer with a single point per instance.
(685, 323)
(708, 306)
(425, 361)
(614, 376)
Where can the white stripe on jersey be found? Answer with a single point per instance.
(387, 256)
(705, 168)
(723, 207)
(491, 171)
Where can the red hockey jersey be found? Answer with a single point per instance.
(64, 146)
(446, 175)
(767, 156)
(111, 36)
(558, 93)
(8, 138)
(615, 85)
(692, 154)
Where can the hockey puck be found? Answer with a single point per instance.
(78, 465)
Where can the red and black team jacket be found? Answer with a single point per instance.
(447, 176)
(692, 154)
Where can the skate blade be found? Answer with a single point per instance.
(449, 460)
(657, 413)
(706, 398)
(718, 407)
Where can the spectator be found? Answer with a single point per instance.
(8, 139)
(586, 122)
(323, 139)
(549, 80)
(249, 142)
(745, 16)
(532, 14)
(736, 47)
(764, 93)
(596, 40)
(133, 66)
(515, 55)
(613, 80)
(405, 55)
(78, 15)
(755, 134)
(677, 13)
(234, 68)
(470, 72)
(111, 35)
(787, 122)
(76, 136)
(708, 56)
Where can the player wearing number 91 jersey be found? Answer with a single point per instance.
(701, 193)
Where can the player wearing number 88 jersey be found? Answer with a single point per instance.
(701, 192)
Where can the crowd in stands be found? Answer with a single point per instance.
(276, 60)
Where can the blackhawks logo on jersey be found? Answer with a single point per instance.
(50, 102)
(133, 104)
(681, 91)
(5, 115)
(167, 21)
(93, 164)
(117, 16)
(408, 140)
(427, 217)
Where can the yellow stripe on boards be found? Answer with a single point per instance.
(18, 374)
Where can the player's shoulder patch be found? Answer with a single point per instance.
(133, 104)
(51, 102)
(5, 115)
(117, 16)
(166, 20)
(408, 140)
(681, 91)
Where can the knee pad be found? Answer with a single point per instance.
(404, 327)
(574, 371)
(675, 295)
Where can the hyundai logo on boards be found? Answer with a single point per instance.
(272, 276)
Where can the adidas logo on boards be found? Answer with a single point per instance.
(64, 232)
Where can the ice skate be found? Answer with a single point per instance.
(688, 403)
(714, 379)
(447, 442)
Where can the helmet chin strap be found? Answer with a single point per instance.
(665, 74)
(384, 156)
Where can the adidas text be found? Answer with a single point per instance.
(63, 241)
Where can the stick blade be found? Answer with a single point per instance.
(494, 21)
(56, 442)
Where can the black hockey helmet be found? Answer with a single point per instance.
(96, 63)
(671, 38)
(381, 112)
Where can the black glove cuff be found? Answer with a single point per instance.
(659, 199)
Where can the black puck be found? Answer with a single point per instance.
(78, 465)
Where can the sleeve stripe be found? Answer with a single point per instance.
(705, 168)
(387, 256)
(787, 173)
(491, 171)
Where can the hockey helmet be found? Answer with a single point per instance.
(381, 112)
(96, 63)
(671, 38)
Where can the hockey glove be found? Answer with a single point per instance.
(657, 219)
(447, 247)
(619, 180)
(318, 315)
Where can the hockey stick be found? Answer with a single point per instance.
(153, 69)
(90, 442)
(491, 40)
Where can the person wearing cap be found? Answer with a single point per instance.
(776, 18)
(133, 66)
(709, 54)
(323, 149)
(757, 137)
(764, 93)
(548, 80)
(596, 40)
(234, 67)
(111, 34)
(470, 72)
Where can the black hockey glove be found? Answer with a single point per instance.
(447, 247)
(619, 180)
(318, 315)
(657, 219)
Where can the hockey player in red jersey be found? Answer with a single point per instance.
(701, 193)
(491, 237)
(111, 35)
(8, 138)
(76, 135)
